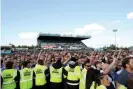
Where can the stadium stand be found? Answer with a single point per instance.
(57, 41)
(6, 49)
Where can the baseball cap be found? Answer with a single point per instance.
(72, 62)
(73, 59)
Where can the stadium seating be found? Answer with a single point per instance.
(61, 41)
(74, 45)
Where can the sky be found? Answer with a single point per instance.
(22, 20)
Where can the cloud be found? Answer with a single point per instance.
(130, 15)
(89, 29)
(117, 39)
(66, 33)
(101, 40)
(26, 42)
(116, 21)
(28, 38)
(28, 35)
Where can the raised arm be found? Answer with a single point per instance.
(113, 64)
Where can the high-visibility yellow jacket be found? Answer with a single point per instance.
(121, 87)
(55, 75)
(73, 75)
(101, 87)
(8, 76)
(82, 84)
(40, 78)
(26, 78)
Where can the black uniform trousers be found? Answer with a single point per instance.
(40, 87)
(56, 86)
(72, 86)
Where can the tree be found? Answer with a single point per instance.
(105, 48)
(19, 46)
(12, 45)
(111, 47)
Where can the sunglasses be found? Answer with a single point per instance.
(119, 65)
(88, 65)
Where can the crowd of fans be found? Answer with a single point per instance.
(115, 66)
(70, 45)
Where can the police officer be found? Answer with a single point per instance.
(10, 77)
(56, 74)
(26, 77)
(82, 84)
(40, 75)
(73, 77)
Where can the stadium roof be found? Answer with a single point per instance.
(42, 36)
(5, 46)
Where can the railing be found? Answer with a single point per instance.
(64, 35)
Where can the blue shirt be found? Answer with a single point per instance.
(123, 77)
(17, 67)
(2, 67)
